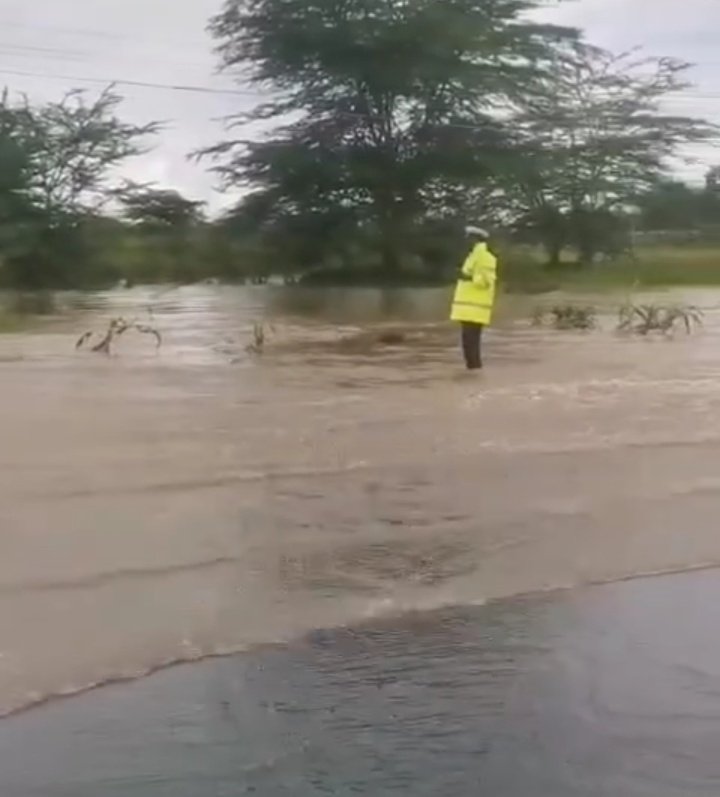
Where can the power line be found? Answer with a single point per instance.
(136, 83)
(94, 33)
(49, 53)
(97, 33)
(100, 34)
(14, 50)
(38, 49)
(208, 90)
(230, 92)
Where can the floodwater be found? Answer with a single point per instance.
(160, 506)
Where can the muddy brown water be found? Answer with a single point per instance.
(164, 506)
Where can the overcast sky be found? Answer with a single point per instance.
(46, 46)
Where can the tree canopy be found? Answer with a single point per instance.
(386, 110)
(593, 139)
(55, 164)
(388, 116)
(387, 126)
(158, 208)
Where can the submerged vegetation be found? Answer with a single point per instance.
(646, 318)
(566, 316)
(117, 327)
(637, 319)
(259, 339)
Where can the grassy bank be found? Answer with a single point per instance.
(653, 267)
(522, 271)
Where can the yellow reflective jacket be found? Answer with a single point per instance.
(475, 291)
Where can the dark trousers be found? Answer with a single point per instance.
(471, 340)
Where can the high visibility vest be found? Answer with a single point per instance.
(475, 292)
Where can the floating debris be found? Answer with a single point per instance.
(567, 316)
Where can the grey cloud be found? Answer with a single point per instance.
(682, 29)
(155, 41)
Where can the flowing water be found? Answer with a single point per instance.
(159, 506)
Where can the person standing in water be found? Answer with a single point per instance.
(474, 296)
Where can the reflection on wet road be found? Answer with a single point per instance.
(606, 691)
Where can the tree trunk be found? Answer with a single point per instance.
(391, 257)
(586, 252)
(390, 238)
(553, 249)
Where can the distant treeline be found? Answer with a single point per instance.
(380, 151)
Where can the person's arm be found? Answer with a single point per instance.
(467, 272)
(484, 270)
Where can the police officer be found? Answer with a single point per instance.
(474, 296)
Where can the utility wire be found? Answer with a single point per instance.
(216, 91)
(685, 96)
(228, 92)
(64, 54)
(136, 83)
(12, 50)
(111, 35)
(94, 34)
(26, 49)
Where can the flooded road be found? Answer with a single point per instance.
(163, 506)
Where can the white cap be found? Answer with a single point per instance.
(477, 232)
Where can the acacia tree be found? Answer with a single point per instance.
(165, 231)
(671, 206)
(383, 111)
(16, 207)
(595, 137)
(55, 163)
(159, 209)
